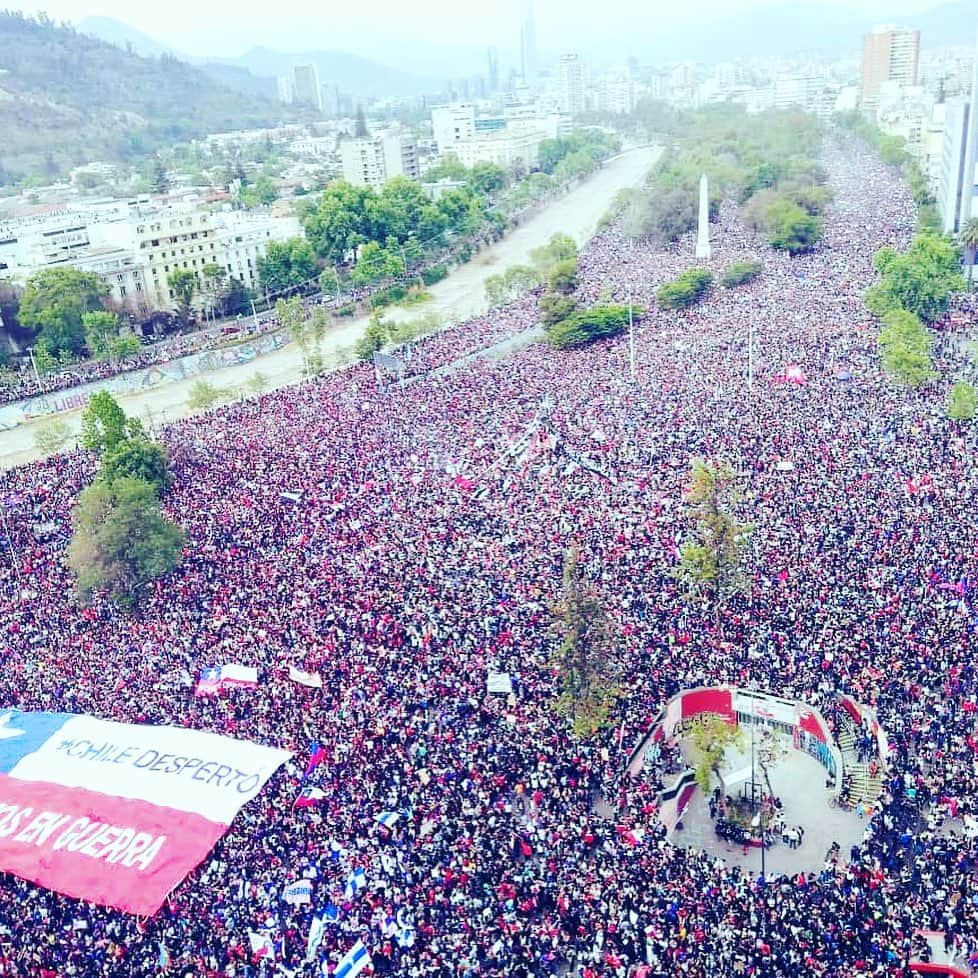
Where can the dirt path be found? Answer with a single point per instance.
(457, 298)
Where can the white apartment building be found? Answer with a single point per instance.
(242, 242)
(953, 188)
(135, 247)
(504, 148)
(452, 124)
(570, 84)
(170, 240)
(120, 269)
(371, 162)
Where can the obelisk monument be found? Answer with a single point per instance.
(703, 249)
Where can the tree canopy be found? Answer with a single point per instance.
(104, 424)
(54, 304)
(288, 265)
(121, 540)
(919, 280)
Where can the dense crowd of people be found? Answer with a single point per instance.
(29, 382)
(420, 545)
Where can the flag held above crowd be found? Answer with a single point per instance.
(312, 680)
(216, 679)
(352, 963)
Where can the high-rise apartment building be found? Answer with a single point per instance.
(372, 161)
(890, 54)
(305, 86)
(958, 191)
(570, 78)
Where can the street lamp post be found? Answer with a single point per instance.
(631, 334)
(753, 784)
(750, 357)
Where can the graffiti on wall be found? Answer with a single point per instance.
(192, 365)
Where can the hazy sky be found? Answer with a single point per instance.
(228, 27)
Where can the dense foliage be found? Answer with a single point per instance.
(919, 280)
(587, 325)
(685, 290)
(740, 273)
(54, 305)
(774, 154)
(346, 217)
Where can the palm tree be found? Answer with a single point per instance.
(968, 239)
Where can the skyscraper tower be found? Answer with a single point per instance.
(528, 46)
(493, 78)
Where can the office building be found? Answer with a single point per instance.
(305, 86)
(493, 76)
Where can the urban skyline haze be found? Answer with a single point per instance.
(225, 29)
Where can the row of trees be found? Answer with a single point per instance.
(121, 541)
(913, 290)
(346, 217)
(66, 313)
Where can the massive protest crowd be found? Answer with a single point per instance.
(402, 542)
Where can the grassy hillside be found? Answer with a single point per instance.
(67, 98)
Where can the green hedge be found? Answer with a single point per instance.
(588, 325)
(686, 290)
(740, 273)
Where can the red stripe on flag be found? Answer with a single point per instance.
(116, 852)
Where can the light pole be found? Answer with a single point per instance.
(753, 784)
(750, 357)
(37, 376)
(631, 334)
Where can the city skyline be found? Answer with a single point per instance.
(215, 33)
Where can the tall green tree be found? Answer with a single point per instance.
(54, 302)
(919, 280)
(121, 541)
(137, 458)
(586, 661)
(288, 265)
(377, 263)
(183, 285)
(101, 332)
(104, 424)
(711, 560)
(339, 223)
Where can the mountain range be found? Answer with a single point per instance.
(390, 66)
(257, 69)
(67, 98)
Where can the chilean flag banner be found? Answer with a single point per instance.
(216, 678)
(118, 813)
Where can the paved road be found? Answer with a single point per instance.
(459, 297)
